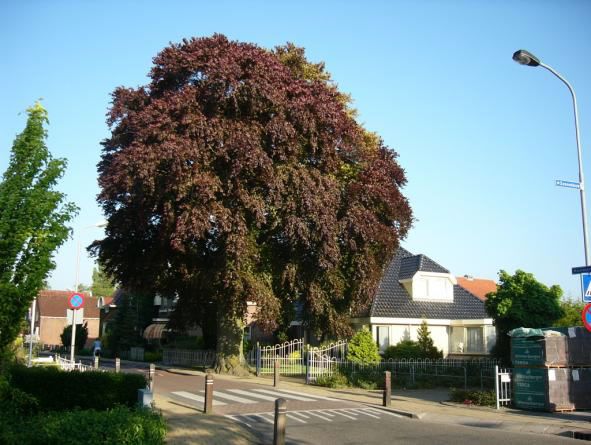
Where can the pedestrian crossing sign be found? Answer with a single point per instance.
(587, 288)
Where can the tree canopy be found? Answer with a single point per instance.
(33, 222)
(239, 174)
(102, 284)
(522, 301)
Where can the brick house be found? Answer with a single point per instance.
(50, 316)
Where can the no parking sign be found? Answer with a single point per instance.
(587, 317)
(76, 301)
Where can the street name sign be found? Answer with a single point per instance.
(581, 269)
(569, 184)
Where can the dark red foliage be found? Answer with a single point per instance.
(228, 178)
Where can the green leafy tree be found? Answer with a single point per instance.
(134, 312)
(239, 174)
(403, 349)
(573, 314)
(521, 301)
(102, 284)
(33, 218)
(363, 349)
(81, 336)
(425, 343)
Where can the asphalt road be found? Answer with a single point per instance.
(314, 419)
(392, 430)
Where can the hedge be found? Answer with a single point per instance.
(58, 390)
(117, 426)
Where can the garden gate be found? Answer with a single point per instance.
(291, 357)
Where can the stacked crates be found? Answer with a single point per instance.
(552, 373)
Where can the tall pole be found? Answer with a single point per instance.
(31, 331)
(581, 176)
(73, 345)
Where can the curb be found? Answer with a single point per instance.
(416, 416)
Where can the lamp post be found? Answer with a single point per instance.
(73, 344)
(524, 57)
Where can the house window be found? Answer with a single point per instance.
(382, 337)
(474, 340)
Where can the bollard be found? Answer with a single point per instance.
(276, 374)
(151, 378)
(208, 405)
(387, 389)
(96, 362)
(280, 414)
(117, 364)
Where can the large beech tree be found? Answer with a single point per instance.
(239, 174)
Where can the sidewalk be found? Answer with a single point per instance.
(423, 405)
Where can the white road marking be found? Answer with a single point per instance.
(191, 396)
(238, 420)
(318, 415)
(285, 395)
(223, 395)
(246, 393)
(300, 413)
(291, 416)
(309, 395)
(343, 414)
(348, 411)
(367, 414)
(261, 416)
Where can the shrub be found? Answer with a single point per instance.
(482, 398)
(425, 343)
(336, 380)
(119, 425)
(81, 336)
(60, 390)
(153, 357)
(15, 402)
(403, 349)
(363, 349)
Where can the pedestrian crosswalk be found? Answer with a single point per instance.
(252, 420)
(248, 396)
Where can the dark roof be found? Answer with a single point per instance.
(412, 264)
(55, 304)
(392, 299)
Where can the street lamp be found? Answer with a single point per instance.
(524, 57)
(99, 224)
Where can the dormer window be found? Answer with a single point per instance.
(430, 286)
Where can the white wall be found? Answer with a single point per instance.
(399, 332)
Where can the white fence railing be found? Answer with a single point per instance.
(290, 355)
(188, 358)
(68, 365)
(503, 377)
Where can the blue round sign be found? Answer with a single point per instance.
(76, 301)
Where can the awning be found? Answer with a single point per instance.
(154, 331)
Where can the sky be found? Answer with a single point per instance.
(481, 138)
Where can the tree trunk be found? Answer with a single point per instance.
(230, 359)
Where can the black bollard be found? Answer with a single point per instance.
(280, 414)
(387, 389)
(208, 405)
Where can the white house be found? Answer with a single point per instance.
(415, 288)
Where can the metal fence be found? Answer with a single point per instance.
(291, 357)
(68, 365)
(503, 377)
(188, 358)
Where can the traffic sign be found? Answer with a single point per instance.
(587, 317)
(580, 270)
(76, 301)
(587, 288)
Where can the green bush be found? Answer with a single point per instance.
(14, 402)
(153, 357)
(403, 349)
(81, 336)
(363, 349)
(336, 380)
(482, 398)
(119, 425)
(60, 390)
